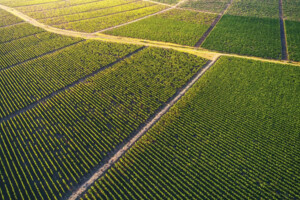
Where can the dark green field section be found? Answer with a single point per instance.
(291, 9)
(216, 6)
(293, 39)
(255, 8)
(247, 36)
(176, 26)
(47, 150)
(234, 135)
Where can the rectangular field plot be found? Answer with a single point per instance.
(216, 6)
(293, 39)
(176, 26)
(255, 8)
(54, 145)
(246, 36)
(234, 135)
(7, 19)
(291, 9)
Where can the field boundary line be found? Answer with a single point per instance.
(284, 49)
(44, 54)
(119, 152)
(205, 53)
(5, 26)
(213, 25)
(73, 84)
(156, 2)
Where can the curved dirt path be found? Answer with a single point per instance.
(122, 150)
(208, 54)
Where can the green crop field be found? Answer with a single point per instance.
(206, 5)
(176, 26)
(228, 138)
(246, 36)
(149, 99)
(293, 39)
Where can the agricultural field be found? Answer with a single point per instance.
(293, 39)
(206, 5)
(229, 137)
(149, 99)
(175, 26)
(247, 36)
(255, 8)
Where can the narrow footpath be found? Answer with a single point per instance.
(284, 50)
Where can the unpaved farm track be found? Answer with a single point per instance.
(212, 26)
(118, 153)
(284, 50)
(208, 54)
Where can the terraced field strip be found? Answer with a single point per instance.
(67, 87)
(118, 153)
(125, 40)
(44, 54)
(206, 34)
(282, 33)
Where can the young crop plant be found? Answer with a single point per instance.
(176, 26)
(234, 135)
(46, 151)
(293, 39)
(247, 36)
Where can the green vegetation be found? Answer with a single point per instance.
(234, 135)
(176, 26)
(17, 31)
(47, 150)
(255, 8)
(99, 23)
(293, 39)
(168, 1)
(17, 3)
(44, 75)
(6, 19)
(291, 9)
(247, 36)
(216, 6)
(33, 46)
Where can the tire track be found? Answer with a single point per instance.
(212, 26)
(67, 87)
(284, 50)
(119, 152)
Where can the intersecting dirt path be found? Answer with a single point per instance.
(125, 40)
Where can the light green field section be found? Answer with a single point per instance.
(291, 9)
(216, 6)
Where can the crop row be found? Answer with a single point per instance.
(206, 5)
(96, 24)
(9, 20)
(246, 35)
(17, 31)
(234, 135)
(95, 14)
(293, 39)
(55, 5)
(18, 51)
(17, 3)
(28, 82)
(77, 9)
(47, 150)
(176, 26)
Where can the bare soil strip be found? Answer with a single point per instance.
(67, 87)
(44, 54)
(212, 26)
(119, 152)
(284, 50)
